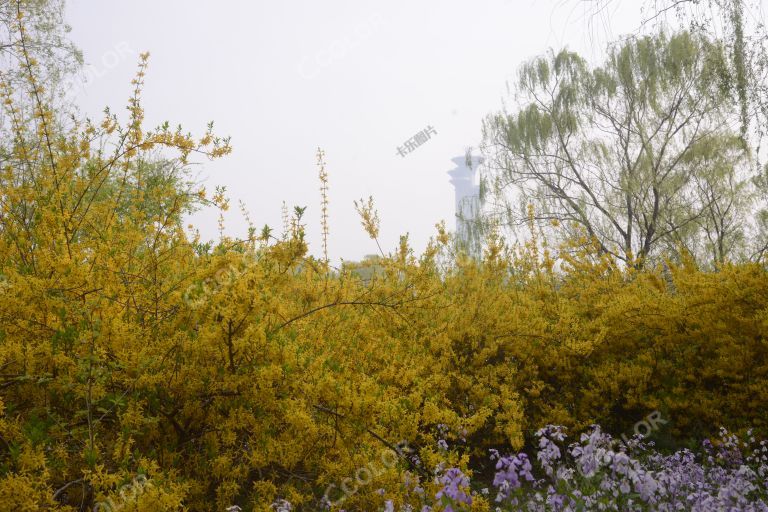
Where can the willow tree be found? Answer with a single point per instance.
(45, 40)
(738, 23)
(618, 152)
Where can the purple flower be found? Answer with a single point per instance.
(549, 452)
(454, 482)
(596, 474)
(509, 472)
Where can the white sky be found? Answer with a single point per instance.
(356, 78)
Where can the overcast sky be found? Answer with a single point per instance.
(357, 78)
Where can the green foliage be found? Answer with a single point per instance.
(623, 151)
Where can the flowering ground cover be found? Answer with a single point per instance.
(597, 472)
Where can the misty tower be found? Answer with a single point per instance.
(463, 179)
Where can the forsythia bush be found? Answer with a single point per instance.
(247, 372)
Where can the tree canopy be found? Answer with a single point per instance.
(622, 153)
